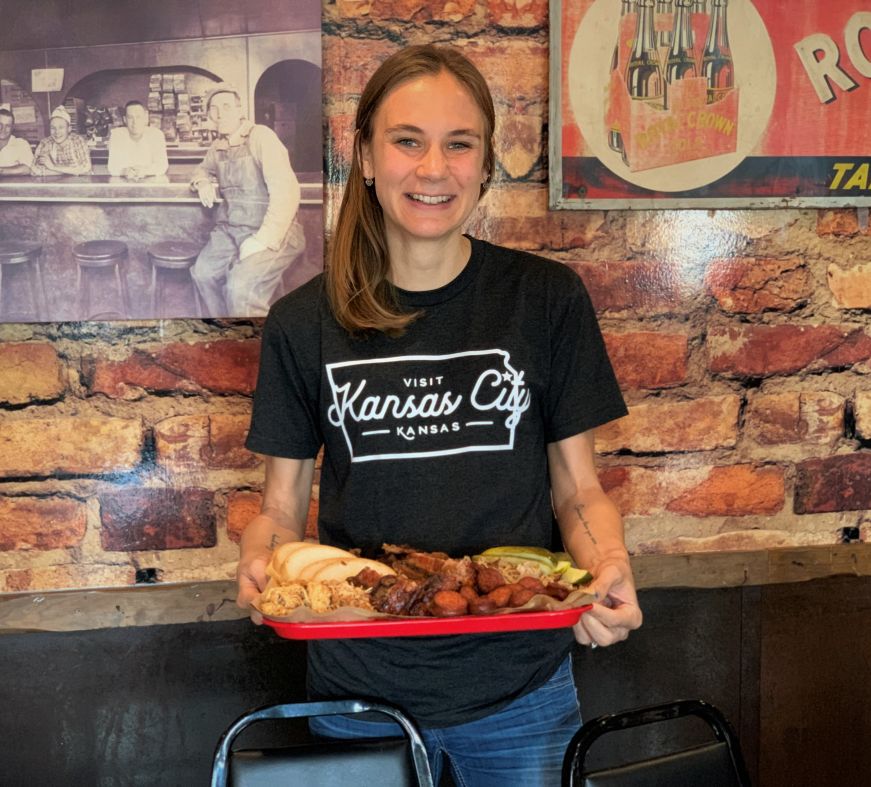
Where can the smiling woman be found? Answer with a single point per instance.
(496, 449)
(423, 157)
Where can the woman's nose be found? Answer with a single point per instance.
(433, 163)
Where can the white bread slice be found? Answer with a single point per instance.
(293, 564)
(280, 555)
(339, 569)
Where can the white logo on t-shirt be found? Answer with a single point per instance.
(412, 406)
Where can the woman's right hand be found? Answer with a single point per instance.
(251, 579)
(282, 518)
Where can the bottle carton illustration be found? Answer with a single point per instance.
(671, 92)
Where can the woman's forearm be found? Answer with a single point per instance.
(592, 530)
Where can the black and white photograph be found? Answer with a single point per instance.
(165, 163)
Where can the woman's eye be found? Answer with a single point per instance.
(406, 142)
(459, 146)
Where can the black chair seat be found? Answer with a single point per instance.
(362, 762)
(388, 762)
(708, 765)
(718, 763)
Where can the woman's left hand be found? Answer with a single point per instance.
(615, 612)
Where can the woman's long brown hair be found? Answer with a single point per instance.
(360, 294)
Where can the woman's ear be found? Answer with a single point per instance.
(366, 160)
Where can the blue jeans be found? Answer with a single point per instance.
(523, 744)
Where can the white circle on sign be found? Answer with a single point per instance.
(589, 74)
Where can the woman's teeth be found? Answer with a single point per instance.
(425, 198)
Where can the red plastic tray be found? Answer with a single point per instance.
(418, 627)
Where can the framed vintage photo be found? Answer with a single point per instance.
(127, 192)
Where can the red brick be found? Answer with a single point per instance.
(41, 522)
(657, 427)
(16, 581)
(242, 507)
(765, 350)
(841, 221)
(638, 288)
(29, 372)
(648, 359)
(146, 519)
(516, 69)
(835, 483)
(181, 440)
(224, 367)
(795, 417)
(517, 14)
(68, 445)
(185, 442)
(851, 288)
(751, 286)
(731, 490)
(736, 490)
(579, 228)
(348, 63)
(226, 448)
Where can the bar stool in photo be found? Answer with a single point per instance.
(94, 259)
(168, 259)
(22, 256)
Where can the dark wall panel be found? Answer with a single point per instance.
(815, 695)
(134, 706)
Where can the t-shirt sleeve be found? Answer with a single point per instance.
(583, 392)
(284, 420)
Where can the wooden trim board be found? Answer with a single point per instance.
(190, 602)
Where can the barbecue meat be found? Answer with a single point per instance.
(422, 605)
(395, 595)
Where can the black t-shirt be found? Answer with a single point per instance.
(437, 439)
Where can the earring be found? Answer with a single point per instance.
(369, 181)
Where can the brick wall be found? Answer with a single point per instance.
(741, 339)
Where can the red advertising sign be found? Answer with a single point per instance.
(710, 103)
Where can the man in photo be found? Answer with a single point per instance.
(15, 153)
(137, 150)
(63, 152)
(247, 173)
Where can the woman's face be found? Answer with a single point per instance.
(59, 129)
(426, 155)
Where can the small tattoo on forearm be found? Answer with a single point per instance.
(579, 510)
(273, 542)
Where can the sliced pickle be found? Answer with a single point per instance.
(519, 552)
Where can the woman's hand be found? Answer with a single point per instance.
(615, 612)
(251, 579)
(282, 518)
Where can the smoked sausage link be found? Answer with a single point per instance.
(520, 596)
(489, 578)
(501, 596)
(448, 604)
